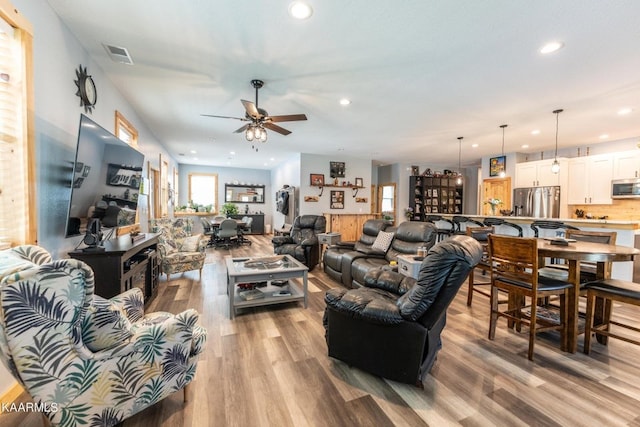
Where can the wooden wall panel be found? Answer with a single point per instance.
(348, 225)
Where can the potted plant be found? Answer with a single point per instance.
(229, 209)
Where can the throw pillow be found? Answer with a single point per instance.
(383, 241)
(190, 244)
(105, 325)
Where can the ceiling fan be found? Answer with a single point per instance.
(259, 120)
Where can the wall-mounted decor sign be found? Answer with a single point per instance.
(311, 198)
(337, 169)
(337, 199)
(361, 200)
(497, 165)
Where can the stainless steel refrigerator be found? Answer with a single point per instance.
(537, 202)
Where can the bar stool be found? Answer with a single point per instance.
(610, 290)
(458, 220)
(494, 222)
(441, 233)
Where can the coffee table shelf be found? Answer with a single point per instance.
(288, 269)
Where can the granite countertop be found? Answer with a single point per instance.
(621, 222)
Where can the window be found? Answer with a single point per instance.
(387, 197)
(203, 190)
(17, 174)
(125, 130)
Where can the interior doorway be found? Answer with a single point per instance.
(496, 188)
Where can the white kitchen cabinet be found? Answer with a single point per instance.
(538, 173)
(626, 164)
(590, 180)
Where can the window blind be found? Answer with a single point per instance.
(13, 173)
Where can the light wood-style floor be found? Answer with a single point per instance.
(269, 367)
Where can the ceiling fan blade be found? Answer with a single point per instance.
(276, 128)
(242, 129)
(226, 117)
(287, 118)
(251, 108)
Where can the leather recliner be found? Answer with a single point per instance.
(391, 327)
(302, 242)
(333, 259)
(409, 236)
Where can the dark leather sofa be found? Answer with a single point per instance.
(302, 242)
(334, 259)
(409, 236)
(391, 327)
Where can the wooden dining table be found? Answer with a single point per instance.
(574, 253)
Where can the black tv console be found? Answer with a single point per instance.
(123, 265)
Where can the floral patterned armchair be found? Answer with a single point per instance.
(86, 360)
(179, 250)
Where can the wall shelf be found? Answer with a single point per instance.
(352, 187)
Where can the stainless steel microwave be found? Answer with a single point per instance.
(625, 188)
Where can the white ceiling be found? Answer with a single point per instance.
(419, 73)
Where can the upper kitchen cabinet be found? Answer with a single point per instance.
(538, 173)
(590, 180)
(626, 164)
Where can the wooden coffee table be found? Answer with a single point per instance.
(265, 269)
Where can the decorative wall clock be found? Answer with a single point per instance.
(86, 89)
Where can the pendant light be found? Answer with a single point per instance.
(502, 172)
(459, 180)
(555, 166)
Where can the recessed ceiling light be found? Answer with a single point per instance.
(232, 152)
(525, 145)
(345, 101)
(604, 136)
(624, 111)
(551, 47)
(272, 159)
(300, 10)
(193, 151)
(474, 145)
(535, 132)
(265, 164)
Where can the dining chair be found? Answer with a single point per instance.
(610, 290)
(208, 230)
(245, 229)
(481, 234)
(514, 270)
(227, 234)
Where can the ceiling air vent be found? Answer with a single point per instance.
(119, 54)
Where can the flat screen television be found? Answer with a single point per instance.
(106, 181)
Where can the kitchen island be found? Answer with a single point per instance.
(628, 234)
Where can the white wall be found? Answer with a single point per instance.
(56, 56)
(354, 168)
(286, 173)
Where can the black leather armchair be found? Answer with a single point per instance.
(409, 236)
(302, 241)
(391, 327)
(334, 256)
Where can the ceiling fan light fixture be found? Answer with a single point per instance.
(250, 134)
(300, 10)
(263, 135)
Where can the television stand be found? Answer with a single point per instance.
(123, 265)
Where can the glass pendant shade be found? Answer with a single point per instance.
(250, 134)
(555, 166)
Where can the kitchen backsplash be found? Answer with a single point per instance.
(626, 210)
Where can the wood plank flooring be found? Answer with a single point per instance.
(269, 367)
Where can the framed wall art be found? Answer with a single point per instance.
(497, 165)
(337, 199)
(359, 182)
(317, 179)
(337, 169)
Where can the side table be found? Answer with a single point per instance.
(329, 239)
